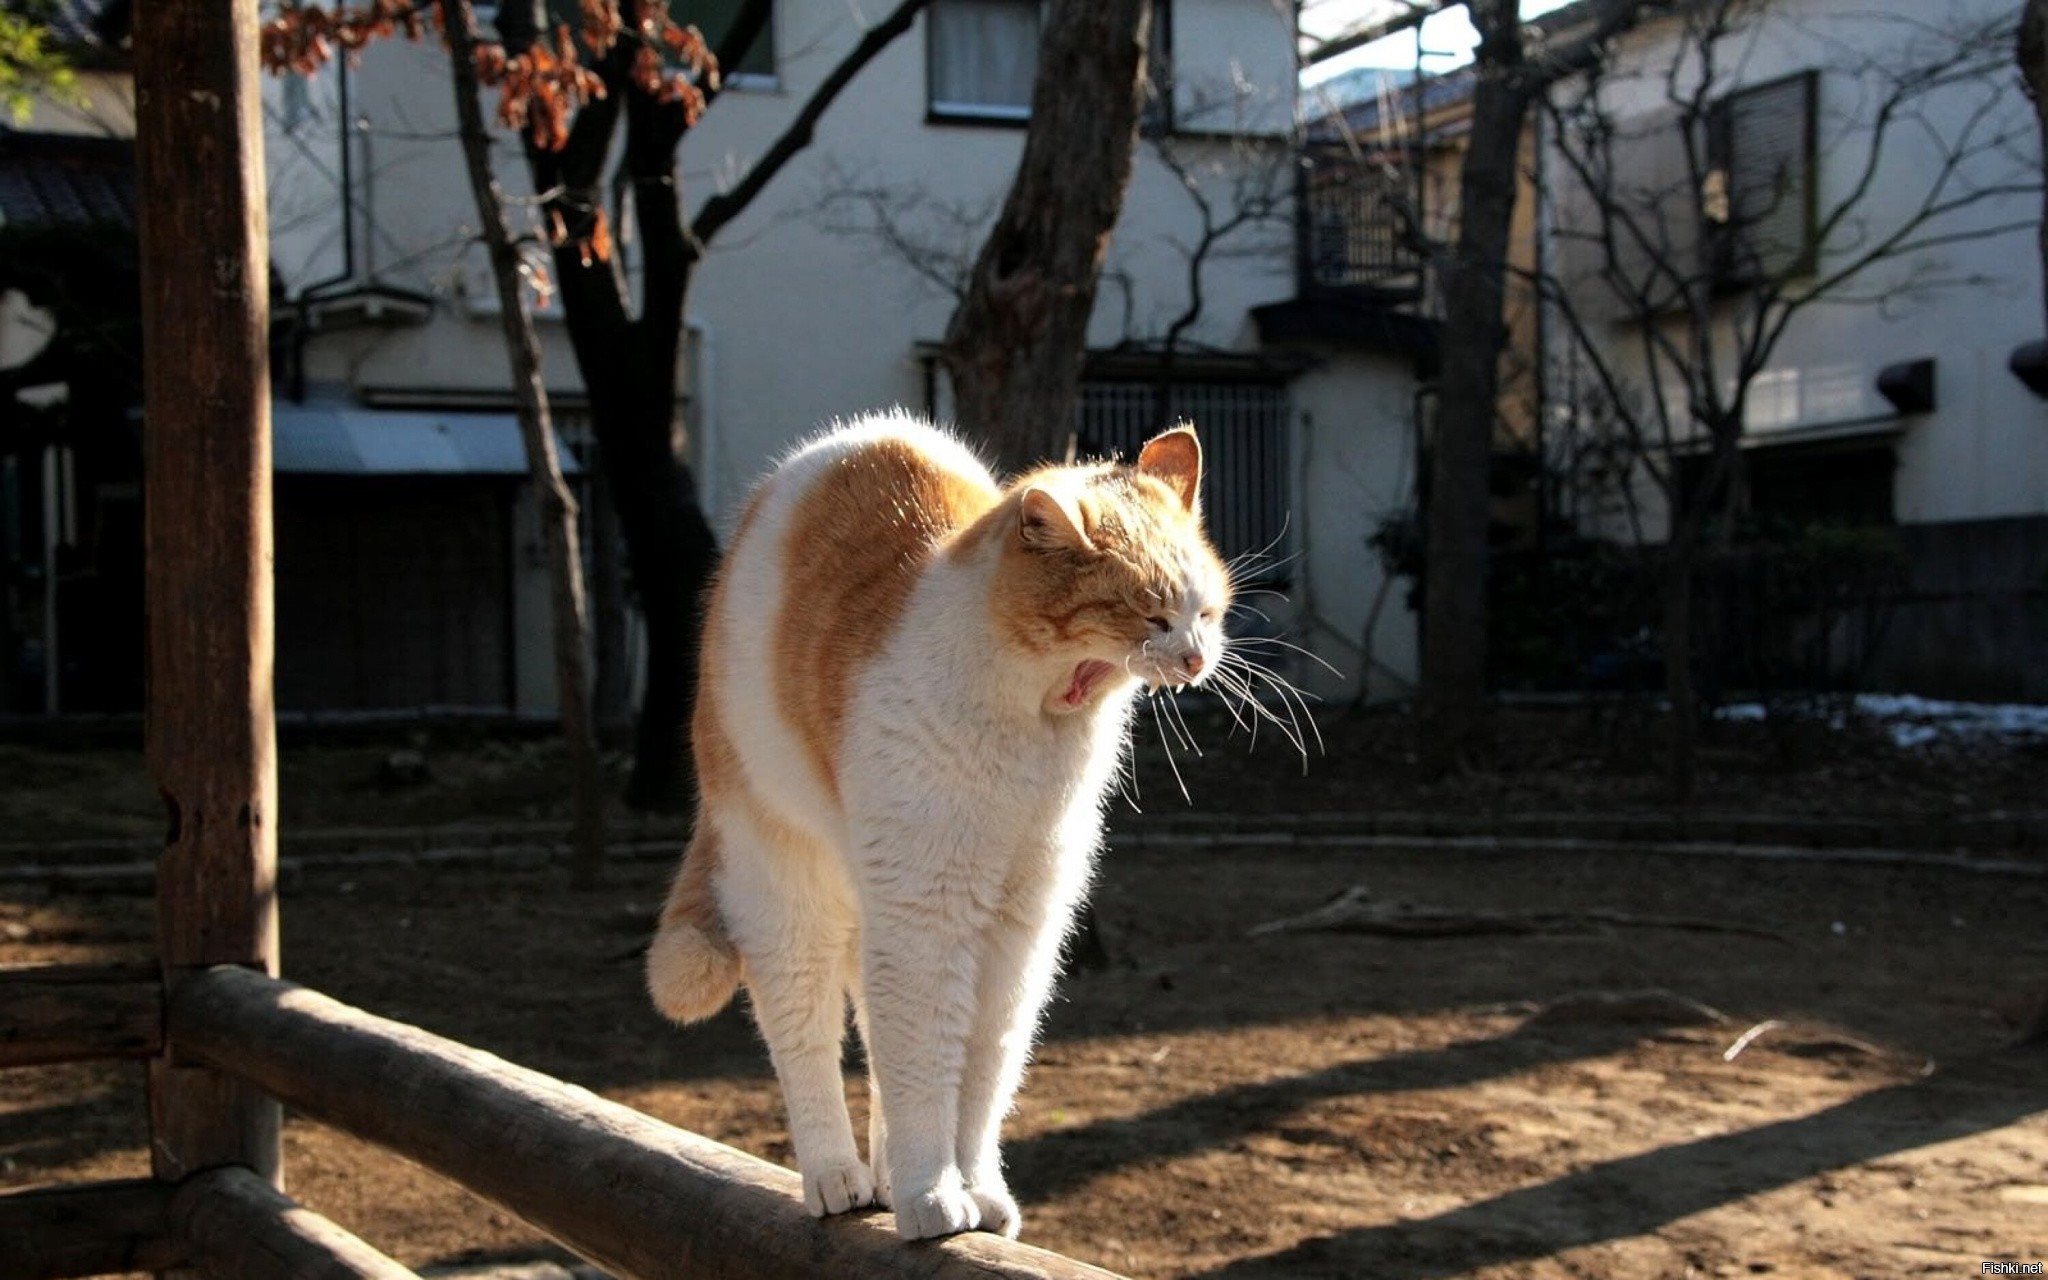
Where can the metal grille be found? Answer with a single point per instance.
(1353, 224)
(1243, 427)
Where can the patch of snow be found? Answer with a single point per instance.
(1914, 721)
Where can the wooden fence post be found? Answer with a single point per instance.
(206, 399)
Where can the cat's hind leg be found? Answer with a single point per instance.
(878, 1122)
(791, 915)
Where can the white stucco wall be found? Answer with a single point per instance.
(1354, 452)
(800, 316)
(799, 313)
(103, 106)
(1983, 452)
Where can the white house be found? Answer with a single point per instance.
(826, 297)
(1905, 399)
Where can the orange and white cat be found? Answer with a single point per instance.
(915, 692)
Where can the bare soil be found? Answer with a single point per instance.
(1559, 1103)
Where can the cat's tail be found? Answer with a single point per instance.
(692, 966)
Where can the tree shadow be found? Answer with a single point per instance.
(1640, 1194)
(1056, 1161)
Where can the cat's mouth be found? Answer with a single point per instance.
(1087, 677)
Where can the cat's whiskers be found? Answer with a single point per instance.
(1179, 717)
(1239, 673)
(1171, 763)
(1291, 647)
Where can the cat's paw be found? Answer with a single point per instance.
(999, 1213)
(944, 1210)
(838, 1187)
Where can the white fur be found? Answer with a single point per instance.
(934, 892)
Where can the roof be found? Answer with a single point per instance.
(66, 179)
(345, 439)
(1350, 321)
(1431, 95)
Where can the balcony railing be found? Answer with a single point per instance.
(1356, 216)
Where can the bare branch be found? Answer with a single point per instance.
(727, 205)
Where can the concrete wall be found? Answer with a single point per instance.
(1354, 451)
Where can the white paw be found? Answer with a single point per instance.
(837, 1187)
(942, 1210)
(998, 1207)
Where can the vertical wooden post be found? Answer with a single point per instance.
(206, 386)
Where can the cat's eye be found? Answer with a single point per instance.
(1158, 623)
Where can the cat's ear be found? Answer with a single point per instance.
(1048, 521)
(1175, 458)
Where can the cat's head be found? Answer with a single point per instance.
(1107, 575)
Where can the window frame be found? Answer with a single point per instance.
(999, 115)
(1738, 262)
(1156, 115)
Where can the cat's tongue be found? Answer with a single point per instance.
(1082, 683)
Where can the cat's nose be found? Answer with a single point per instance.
(1194, 664)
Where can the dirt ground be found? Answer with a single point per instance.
(1558, 1103)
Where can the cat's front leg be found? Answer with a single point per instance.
(918, 968)
(1019, 955)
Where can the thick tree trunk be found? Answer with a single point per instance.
(558, 505)
(1679, 689)
(1015, 345)
(611, 699)
(1453, 694)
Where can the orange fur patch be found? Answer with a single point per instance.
(1049, 600)
(854, 548)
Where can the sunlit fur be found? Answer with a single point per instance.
(916, 692)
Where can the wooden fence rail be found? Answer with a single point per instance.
(91, 1229)
(628, 1192)
(79, 1013)
(230, 1222)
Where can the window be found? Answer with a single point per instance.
(980, 58)
(1759, 194)
(715, 17)
(1243, 426)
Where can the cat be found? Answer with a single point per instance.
(914, 696)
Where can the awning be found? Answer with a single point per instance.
(346, 440)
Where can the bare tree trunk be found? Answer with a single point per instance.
(1681, 762)
(631, 364)
(1453, 694)
(611, 699)
(1015, 345)
(558, 505)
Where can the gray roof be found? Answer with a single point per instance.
(60, 179)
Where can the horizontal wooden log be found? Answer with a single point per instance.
(51, 1233)
(77, 1012)
(630, 1193)
(230, 1222)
